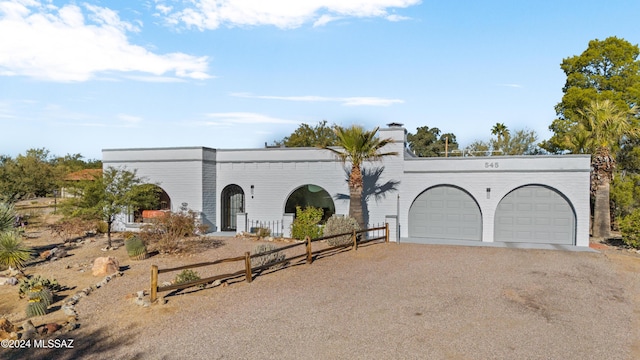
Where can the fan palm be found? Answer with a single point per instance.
(357, 146)
(604, 126)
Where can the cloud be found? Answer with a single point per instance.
(511, 85)
(232, 118)
(284, 14)
(73, 43)
(129, 120)
(346, 101)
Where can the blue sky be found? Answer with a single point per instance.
(79, 77)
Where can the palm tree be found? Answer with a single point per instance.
(604, 126)
(358, 146)
(501, 132)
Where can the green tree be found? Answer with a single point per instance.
(520, 142)
(357, 146)
(26, 176)
(117, 191)
(308, 136)
(607, 70)
(429, 142)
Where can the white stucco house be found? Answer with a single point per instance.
(497, 199)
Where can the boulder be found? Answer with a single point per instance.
(7, 330)
(106, 265)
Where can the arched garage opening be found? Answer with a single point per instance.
(311, 195)
(231, 203)
(535, 214)
(445, 212)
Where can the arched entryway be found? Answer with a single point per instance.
(445, 212)
(149, 207)
(311, 195)
(232, 203)
(535, 214)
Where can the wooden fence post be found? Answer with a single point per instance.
(309, 254)
(355, 240)
(247, 266)
(386, 233)
(154, 282)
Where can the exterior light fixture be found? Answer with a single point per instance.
(488, 193)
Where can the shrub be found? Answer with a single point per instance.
(186, 276)
(340, 225)
(166, 233)
(12, 253)
(630, 229)
(136, 248)
(102, 227)
(71, 228)
(7, 217)
(307, 223)
(263, 232)
(266, 259)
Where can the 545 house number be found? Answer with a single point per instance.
(491, 165)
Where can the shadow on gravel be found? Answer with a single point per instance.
(75, 345)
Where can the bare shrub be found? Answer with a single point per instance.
(267, 259)
(167, 233)
(340, 225)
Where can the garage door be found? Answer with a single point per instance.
(445, 212)
(535, 214)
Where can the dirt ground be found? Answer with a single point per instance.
(381, 301)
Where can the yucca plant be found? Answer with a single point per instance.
(7, 217)
(136, 248)
(12, 252)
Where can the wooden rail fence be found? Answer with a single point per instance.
(246, 258)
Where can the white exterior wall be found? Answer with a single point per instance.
(569, 175)
(178, 171)
(275, 174)
(198, 175)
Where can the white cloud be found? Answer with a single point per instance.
(511, 85)
(231, 118)
(284, 14)
(346, 101)
(71, 43)
(129, 120)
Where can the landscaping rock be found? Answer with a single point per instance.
(105, 265)
(7, 330)
(28, 330)
(8, 281)
(52, 327)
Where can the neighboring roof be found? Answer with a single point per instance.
(86, 174)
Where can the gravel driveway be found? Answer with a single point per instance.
(384, 301)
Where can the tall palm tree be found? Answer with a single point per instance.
(604, 126)
(357, 146)
(501, 132)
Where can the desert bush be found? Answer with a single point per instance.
(339, 225)
(166, 233)
(307, 223)
(12, 252)
(7, 217)
(630, 229)
(102, 227)
(186, 276)
(71, 228)
(266, 259)
(263, 232)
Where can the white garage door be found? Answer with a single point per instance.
(445, 212)
(535, 214)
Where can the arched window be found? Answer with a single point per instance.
(311, 195)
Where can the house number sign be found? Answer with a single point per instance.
(491, 165)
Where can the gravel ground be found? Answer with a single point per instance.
(383, 301)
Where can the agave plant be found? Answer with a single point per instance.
(12, 252)
(7, 217)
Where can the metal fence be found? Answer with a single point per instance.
(273, 228)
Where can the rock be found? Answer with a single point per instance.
(52, 327)
(105, 265)
(140, 294)
(162, 300)
(10, 281)
(28, 330)
(69, 310)
(7, 330)
(45, 254)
